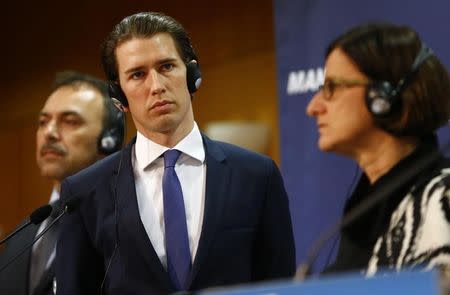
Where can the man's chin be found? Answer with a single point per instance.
(53, 173)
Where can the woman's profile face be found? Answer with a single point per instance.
(343, 120)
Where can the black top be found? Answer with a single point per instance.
(358, 238)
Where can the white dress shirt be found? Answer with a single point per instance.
(148, 167)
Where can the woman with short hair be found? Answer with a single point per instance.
(384, 96)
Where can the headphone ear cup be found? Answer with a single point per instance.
(193, 76)
(115, 92)
(112, 136)
(379, 99)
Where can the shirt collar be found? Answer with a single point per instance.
(54, 196)
(147, 151)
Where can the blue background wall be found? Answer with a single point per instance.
(319, 183)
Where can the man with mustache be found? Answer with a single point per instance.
(76, 127)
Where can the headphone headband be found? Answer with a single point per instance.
(382, 98)
(421, 57)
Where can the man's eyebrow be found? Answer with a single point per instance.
(134, 69)
(158, 62)
(64, 113)
(166, 60)
(70, 113)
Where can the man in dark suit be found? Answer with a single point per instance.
(174, 211)
(74, 119)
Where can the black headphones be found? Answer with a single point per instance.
(193, 79)
(111, 137)
(382, 98)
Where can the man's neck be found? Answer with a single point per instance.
(171, 138)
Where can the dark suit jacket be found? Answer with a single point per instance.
(246, 234)
(14, 280)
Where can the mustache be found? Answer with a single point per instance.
(51, 147)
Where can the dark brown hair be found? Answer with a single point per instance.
(144, 25)
(386, 52)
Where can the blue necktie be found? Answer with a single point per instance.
(176, 235)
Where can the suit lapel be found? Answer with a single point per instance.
(25, 265)
(217, 181)
(132, 234)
